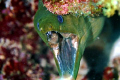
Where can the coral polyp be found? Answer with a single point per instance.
(110, 6)
(82, 7)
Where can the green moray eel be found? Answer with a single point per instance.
(67, 36)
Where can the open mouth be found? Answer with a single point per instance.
(64, 46)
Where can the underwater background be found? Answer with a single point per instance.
(24, 55)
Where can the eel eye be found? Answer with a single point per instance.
(60, 18)
(38, 26)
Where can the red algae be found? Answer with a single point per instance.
(62, 7)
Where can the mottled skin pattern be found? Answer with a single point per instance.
(86, 28)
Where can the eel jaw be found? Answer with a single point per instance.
(65, 49)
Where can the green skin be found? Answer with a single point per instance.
(86, 28)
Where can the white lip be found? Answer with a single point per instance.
(66, 78)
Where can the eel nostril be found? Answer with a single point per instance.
(49, 34)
